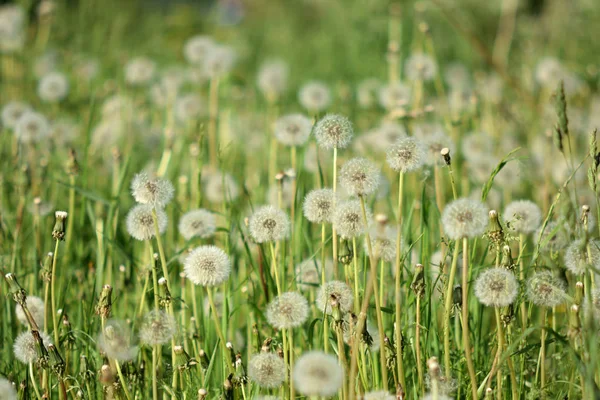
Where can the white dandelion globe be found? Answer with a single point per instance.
(12, 112)
(207, 266)
(496, 287)
(36, 307)
(140, 223)
(338, 291)
(32, 127)
(359, 176)
(522, 216)
(293, 129)
(189, 107)
(115, 341)
(315, 96)
(196, 49)
(53, 87)
(219, 61)
(197, 223)
(333, 131)
(348, 219)
(318, 374)
(220, 187)
(581, 256)
(272, 78)
(406, 155)
(394, 95)
(464, 218)
(156, 192)
(288, 310)
(26, 346)
(319, 205)
(308, 273)
(269, 224)
(420, 66)
(7, 390)
(268, 370)
(158, 328)
(546, 290)
(139, 71)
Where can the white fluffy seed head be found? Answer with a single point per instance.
(36, 307)
(220, 187)
(394, 95)
(189, 107)
(196, 48)
(12, 112)
(197, 223)
(496, 287)
(32, 127)
(293, 129)
(273, 78)
(406, 155)
(379, 395)
(140, 224)
(383, 243)
(207, 266)
(319, 206)
(334, 290)
(348, 219)
(420, 66)
(308, 273)
(333, 131)
(158, 328)
(268, 370)
(53, 87)
(581, 256)
(522, 216)
(464, 218)
(359, 176)
(115, 341)
(546, 290)
(26, 347)
(219, 61)
(139, 71)
(318, 374)
(269, 224)
(7, 390)
(314, 96)
(154, 191)
(288, 310)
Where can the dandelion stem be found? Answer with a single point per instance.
(53, 296)
(123, 382)
(323, 278)
(398, 282)
(448, 309)
(465, 317)
(213, 311)
(33, 383)
(333, 230)
(212, 123)
(275, 268)
(418, 343)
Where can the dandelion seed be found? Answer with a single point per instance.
(394, 95)
(32, 127)
(12, 112)
(288, 310)
(158, 328)
(430, 396)
(26, 347)
(219, 61)
(115, 341)
(582, 255)
(7, 390)
(333, 131)
(496, 287)
(272, 78)
(337, 290)
(359, 176)
(36, 307)
(348, 219)
(522, 216)
(220, 187)
(268, 370)
(139, 71)
(314, 96)
(293, 129)
(156, 192)
(189, 107)
(269, 224)
(406, 155)
(318, 206)
(140, 224)
(420, 66)
(196, 49)
(546, 290)
(53, 87)
(207, 266)
(554, 237)
(197, 223)
(383, 243)
(318, 374)
(464, 218)
(308, 273)
(379, 395)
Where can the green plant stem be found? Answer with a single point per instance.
(448, 310)
(33, 383)
(123, 382)
(323, 280)
(220, 335)
(334, 240)
(53, 296)
(418, 344)
(398, 283)
(465, 317)
(275, 267)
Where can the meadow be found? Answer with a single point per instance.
(277, 199)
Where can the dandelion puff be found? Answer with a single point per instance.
(140, 224)
(386, 135)
(348, 219)
(318, 374)
(431, 396)
(434, 143)
(196, 48)
(7, 390)
(383, 243)
(578, 259)
(334, 290)
(293, 129)
(496, 287)
(546, 290)
(594, 305)
(158, 328)
(12, 112)
(359, 176)
(219, 61)
(53, 87)
(464, 218)
(32, 127)
(379, 395)
(406, 155)
(522, 216)
(308, 273)
(207, 266)
(394, 95)
(318, 206)
(154, 191)
(115, 341)
(553, 238)
(36, 307)
(197, 223)
(314, 96)
(220, 187)
(139, 71)
(288, 310)
(272, 78)
(420, 66)
(333, 131)
(64, 131)
(268, 370)
(26, 347)
(189, 107)
(269, 224)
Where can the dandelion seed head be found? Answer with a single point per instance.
(53, 87)
(288, 310)
(269, 224)
(406, 155)
(273, 78)
(359, 176)
(318, 374)
(115, 341)
(549, 72)
(554, 237)
(348, 219)
(464, 218)
(318, 206)
(139, 71)
(496, 287)
(383, 243)
(196, 49)
(189, 107)
(268, 370)
(12, 112)
(293, 129)
(207, 266)
(522, 216)
(220, 187)
(64, 131)
(36, 307)
(434, 143)
(337, 290)
(7, 390)
(140, 224)
(219, 61)
(32, 127)
(333, 131)
(420, 66)
(156, 192)
(197, 223)
(394, 95)
(545, 289)
(379, 395)
(314, 96)
(308, 273)
(578, 259)
(158, 328)
(26, 347)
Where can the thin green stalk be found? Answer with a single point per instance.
(213, 311)
(447, 311)
(398, 282)
(333, 231)
(323, 279)
(275, 268)
(33, 382)
(53, 295)
(465, 317)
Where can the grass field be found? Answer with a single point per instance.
(299, 199)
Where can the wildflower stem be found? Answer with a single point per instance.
(33, 383)
(275, 268)
(465, 317)
(398, 282)
(212, 123)
(213, 311)
(291, 363)
(448, 309)
(70, 221)
(323, 278)
(333, 230)
(418, 344)
(155, 372)
(53, 296)
(500, 338)
(123, 382)
(542, 365)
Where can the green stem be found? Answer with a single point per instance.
(398, 282)
(53, 296)
(465, 317)
(448, 309)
